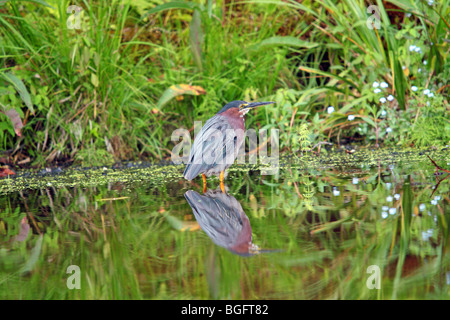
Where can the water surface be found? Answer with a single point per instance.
(302, 234)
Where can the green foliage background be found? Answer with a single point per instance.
(94, 95)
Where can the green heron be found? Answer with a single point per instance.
(221, 216)
(217, 144)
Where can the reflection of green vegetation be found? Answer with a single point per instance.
(144, 244)
(307, 191)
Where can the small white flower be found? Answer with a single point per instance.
(403, 67)
(396, 196)
(392, 210)
(426, 92)
(336, 192)
(418, 49)
(388, 185)
(355, 180)
(351, 117)
(414, 88)
(425, 62)
(425, 236)
(430, 2)
(382, 99)
(384, 85)
(389, 199)
(388, 129)
(377, 90)
(428, 103)
(422, 207)
(375, 84)
(383, 113)
(437, 198)
(419, 70)
(384, 214)
(412, 47)
(385, 208)
(431, 95)
(330, 109)
(49, 184)
(390, 97)
(433, 202)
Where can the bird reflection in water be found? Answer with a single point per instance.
(221, 216)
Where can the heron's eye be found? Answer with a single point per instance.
(242, 106)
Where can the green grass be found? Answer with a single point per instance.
(97, 90)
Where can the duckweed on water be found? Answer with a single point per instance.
(160, 174)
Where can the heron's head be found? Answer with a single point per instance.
(243, 106)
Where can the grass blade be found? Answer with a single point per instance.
(196, 39)
(175, 5)
(285, 41)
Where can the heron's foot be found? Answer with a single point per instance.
(204, 183)
(222, 186)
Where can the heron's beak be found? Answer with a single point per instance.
(255, 104)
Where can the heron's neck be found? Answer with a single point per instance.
(243, 112)
(235, 118)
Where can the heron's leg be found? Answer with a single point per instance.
(222, 186)
(204, 182)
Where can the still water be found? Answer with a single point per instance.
(360, 232)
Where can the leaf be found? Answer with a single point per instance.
(5, 171)
(20, 88)
(369, 121)
(41, 2)
(14, 116)
(328, 74)
(210, 5)
(177, 90)
(284, 41)
(5, 125)
(94, 79)
(196, 39)
(175, 5)
(399, 79)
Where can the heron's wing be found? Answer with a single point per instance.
(210, 147)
